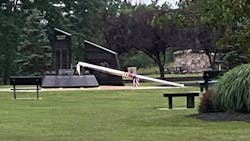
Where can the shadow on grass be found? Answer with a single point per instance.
(222, 116)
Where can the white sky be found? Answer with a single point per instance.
(171, 2)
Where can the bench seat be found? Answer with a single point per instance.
(25, 89)
(26, 80)
(189, 95)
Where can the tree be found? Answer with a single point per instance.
(234, 17)
(137, 30)
(206, 32)
(150, 38)
(195, 30)
(34, 55)
(82, 19)
(10, 20)
(9, 38)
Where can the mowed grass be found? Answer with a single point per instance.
(5, 86)
(130, 115)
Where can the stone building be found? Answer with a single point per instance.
(191, 61)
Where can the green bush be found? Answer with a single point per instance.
(232, 92)
(136, 59)
(141, 60)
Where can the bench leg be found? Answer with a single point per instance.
(201, 88)
(190, 101)
(170, 102)
(37, 92)
(206, 87)
(14, 91)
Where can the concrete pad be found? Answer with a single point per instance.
(165, 108)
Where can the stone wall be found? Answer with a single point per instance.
(191, 61)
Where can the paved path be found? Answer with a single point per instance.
(95, 88)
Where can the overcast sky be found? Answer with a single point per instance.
(171, 2)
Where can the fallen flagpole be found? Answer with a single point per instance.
(122, 73)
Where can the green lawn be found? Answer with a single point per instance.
(176, 75)
(5, 86)
(154, 72)
(130, 115)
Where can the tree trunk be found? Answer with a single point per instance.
(161, 68)
(157, 60)
(211, 60)
(160, 65)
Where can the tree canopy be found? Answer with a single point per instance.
(219, 27)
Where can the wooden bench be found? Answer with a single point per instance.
(210, 78)
(26, 80)
(190, 98)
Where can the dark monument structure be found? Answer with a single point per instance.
(98, 55)
(62, 75)
(61, 49)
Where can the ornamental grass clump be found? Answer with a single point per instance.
(232, 92)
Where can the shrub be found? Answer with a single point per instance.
(232, 92)
(206, 104)
(137, 59)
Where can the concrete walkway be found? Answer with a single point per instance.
(94, 88)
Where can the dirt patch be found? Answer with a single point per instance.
(222, 116)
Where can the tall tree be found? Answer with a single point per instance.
(10, 20)
(196, 31)
(9, 38)
(82, 19)
(151, 39)
(34, 56)
(235, 18)
(137, 30)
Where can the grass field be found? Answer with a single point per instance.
(130, 115)
(5, 86)
(154, 72)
